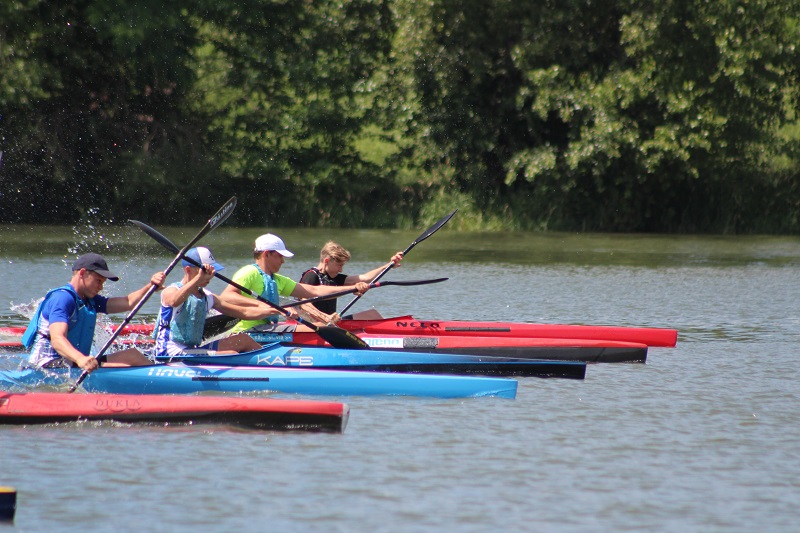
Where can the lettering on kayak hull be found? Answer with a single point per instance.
(401, 343)
(267, 338)
(170, 372)
(417, 324)
(116, 405)
(289, 360)
(386, 343)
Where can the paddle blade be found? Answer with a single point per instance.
(157, 236)
(218, 324)
(218, 218)
(223, 213)
(371, 285)
(433, 229)
(410, 282)
(427, 233)
(341, 338)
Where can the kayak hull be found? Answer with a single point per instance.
(410, 326)
(527, 341)
(176, 378)
(582, 350)
(329, 358)
(589, 351)
(250, 413)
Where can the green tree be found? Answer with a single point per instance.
(611, 115)
(91, 95)
(287, 88)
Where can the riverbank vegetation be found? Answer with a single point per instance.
(611, 115)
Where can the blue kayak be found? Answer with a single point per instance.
(178, 378)
(324, 358)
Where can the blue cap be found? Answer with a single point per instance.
(203, 256)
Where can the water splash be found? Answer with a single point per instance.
(90, 233)
(105, 329)
(27, 310)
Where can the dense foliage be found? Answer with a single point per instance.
(605, 115)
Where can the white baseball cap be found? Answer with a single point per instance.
(272, 243)
(203, 256)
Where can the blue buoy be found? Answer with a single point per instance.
(8, 503)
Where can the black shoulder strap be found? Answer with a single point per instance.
(316, 271)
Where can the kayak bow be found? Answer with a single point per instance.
(408, 325)
(251, 413)
(177, 378)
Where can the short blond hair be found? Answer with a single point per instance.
(335, 251)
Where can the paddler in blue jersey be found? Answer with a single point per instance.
(61, 332)
(185, 306)
(262, 278)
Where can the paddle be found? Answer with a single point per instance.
(218, 218)
(218, 324)
(373, 285)
(427, 233)
(336, 337)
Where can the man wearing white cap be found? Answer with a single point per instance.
(262, 278)
(185, 306)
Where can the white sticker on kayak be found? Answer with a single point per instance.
(396, 342)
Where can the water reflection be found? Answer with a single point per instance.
(701, 437)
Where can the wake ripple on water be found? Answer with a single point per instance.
(701, 438)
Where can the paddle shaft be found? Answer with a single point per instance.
(335, 336)
(427, 233)
(280, 309)
(373, 285)
(218, 218)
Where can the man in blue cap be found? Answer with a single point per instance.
(61, 332)
(185, 306)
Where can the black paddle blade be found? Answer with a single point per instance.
(410, 282)
(221, 215)
(427, 233)
(218, 218)
(217, 324)
(157, 236)
(371, 285)
(341, 338)
(433, 229)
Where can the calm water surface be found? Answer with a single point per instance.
(704, 437)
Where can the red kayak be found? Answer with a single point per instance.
(15, 332)
(252, 413)
(590, 351)
(476, 338)
(407, 325)
(410, 326)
